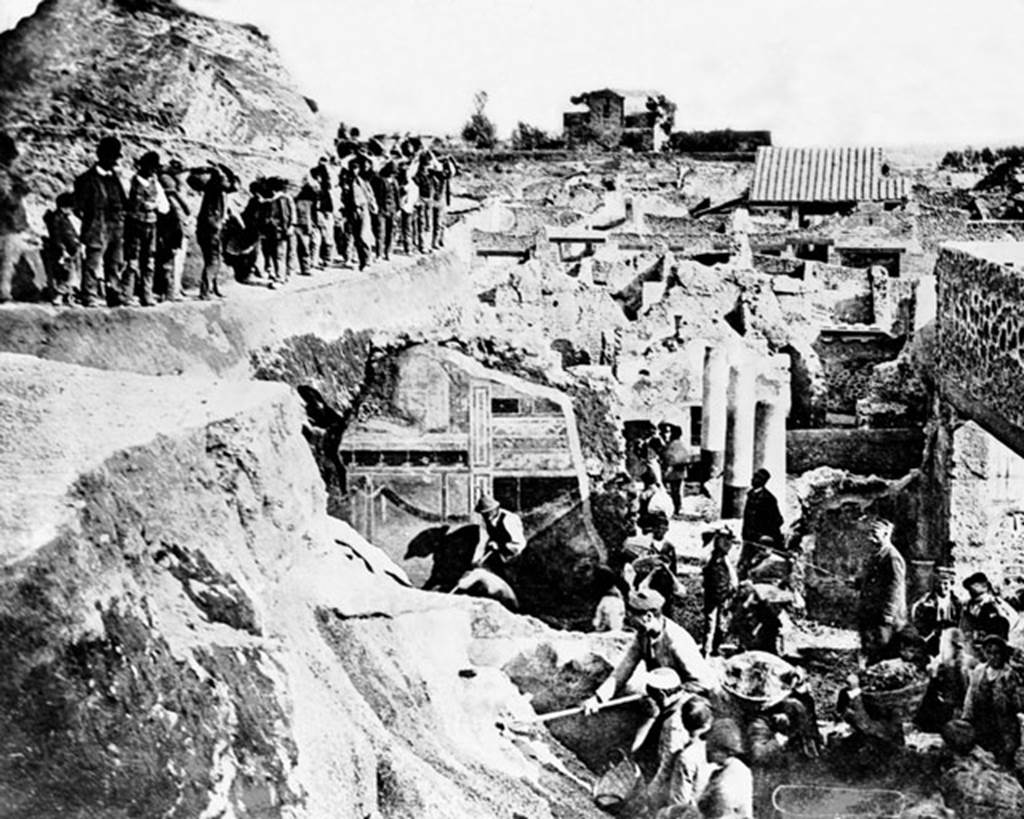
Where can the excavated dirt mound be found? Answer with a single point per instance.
(185, 633)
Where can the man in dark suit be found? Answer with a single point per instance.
(762, 524)
(101, 202)
(882, 608)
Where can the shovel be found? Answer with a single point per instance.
(578, 709)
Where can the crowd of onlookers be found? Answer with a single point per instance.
(111, 243)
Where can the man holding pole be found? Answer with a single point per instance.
(659, 643)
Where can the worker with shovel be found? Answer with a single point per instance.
(659, 643)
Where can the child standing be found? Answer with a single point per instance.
(63, 227)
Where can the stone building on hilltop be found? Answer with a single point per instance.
(616, 118)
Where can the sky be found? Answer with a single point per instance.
(814, 72)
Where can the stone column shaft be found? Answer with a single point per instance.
(770, 445)
(739, 435)
(712, 420)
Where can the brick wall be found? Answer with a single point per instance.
(981, 334)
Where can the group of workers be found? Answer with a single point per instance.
(970, 648)
(748, 598)
(116, 244)
(975, 676)
(701, 740)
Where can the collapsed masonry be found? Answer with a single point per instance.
(833, 318)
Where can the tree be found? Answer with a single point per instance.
(664, 111)
(479, 130)
(528, 137)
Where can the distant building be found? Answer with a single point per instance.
(615, 118)
(801, 182)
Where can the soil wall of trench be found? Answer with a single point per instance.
(224, 339)
(186, 633)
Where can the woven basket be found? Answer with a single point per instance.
(619, 783)
(775, 693)
(901, 702)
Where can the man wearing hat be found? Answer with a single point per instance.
(882, 608)
(985, 613)
(101, 202)
(502, 539)
(659, 643)
(146, 203)
(762, 524)
(937, 610)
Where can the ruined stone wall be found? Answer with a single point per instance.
(779, 265)
(848, 365)
(846, 289)
(888, 453)
(836, 506)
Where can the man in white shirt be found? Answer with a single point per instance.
(659, 643)
(501, 540)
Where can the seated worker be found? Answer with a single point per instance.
(683, 768)
(659, 643)
(947, 687)
(730, 792)
(791, 725)
(501, 539)
(995, 695)
(875, 735)
(759, 618)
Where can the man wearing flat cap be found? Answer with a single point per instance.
(659, 643)
(882, 607)
(501, 540)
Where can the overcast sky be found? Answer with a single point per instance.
(812, 71)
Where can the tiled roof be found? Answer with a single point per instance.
(823, 175)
